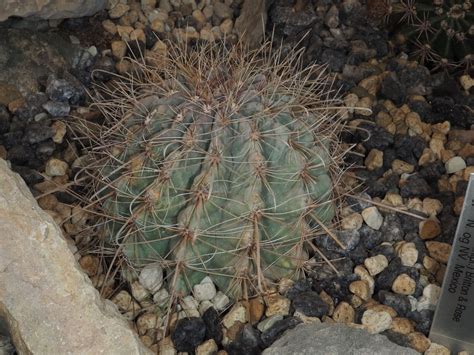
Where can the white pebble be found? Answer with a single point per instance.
(454, 165)
(205, 290)
(376, 322)
(376, 264)
(151, 277)
(372, 217)
(220, 301)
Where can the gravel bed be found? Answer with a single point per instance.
(413, 155)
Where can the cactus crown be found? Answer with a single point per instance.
(216, 161)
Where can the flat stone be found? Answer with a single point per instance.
(319, 339)
(376, 322)
(67, 315)
(454, 165)
(372, 217)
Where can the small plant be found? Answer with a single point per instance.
(216, 161)
(441, 32)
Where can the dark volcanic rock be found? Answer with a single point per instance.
(399, 303)
(415, 186)
(213, 325)
(189, 333)
(393, 89)
(271, 334)
(310, 304)
(248, 342)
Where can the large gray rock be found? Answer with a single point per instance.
(48, 303)
(49, 9)
(333, 339)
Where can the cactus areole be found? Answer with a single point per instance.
(217, 162)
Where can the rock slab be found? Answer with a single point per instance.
(48, 303)
(49, 9)
(333, 339)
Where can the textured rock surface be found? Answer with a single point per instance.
(322, 338)
(50, 9)
(50, 305)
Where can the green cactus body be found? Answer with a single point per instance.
(442, 30)
(228, 174)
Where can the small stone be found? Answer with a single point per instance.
(139, 292)
(376, 264)
(419, 342)
(56, 167)
(371, 84)
(151, 277)
(222, 10)
(209, 347)
(352, 222)
(118, 11)
(267, 323)
(432, 206)
(59, 128)
(430, 297)
(384, 308)
(372, 217)
(374, 159)
(166, 347)
(277, 304)
(364, 275)
(400, 167)
(437, 349)
(226, 26)
(429, 229)
(125, 303)
(344, 313)
(256, 309)
(404, 285)
(57, 109)
(205, 290)
(310, 304)
(454, 165)
(361, 289)
(439, 251)
(147, 321)
(394, 199)
(138, 35)
(199, 16)
(189, 333)
(467, 172)
(376, 322)
(119, 49)
(90, 264)
(162, 297)
(109, 26)
(414, 123)
(467, 82)
(329, 301)
(220, 301)
(402, 325)
(204, 306)
(238, 313)
(408, 253)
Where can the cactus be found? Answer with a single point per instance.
(441, 31)
(216, 161)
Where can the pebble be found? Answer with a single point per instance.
(109, 26)
(432, 206)
(402, 325)
(139, 292)
(401, 167)
(151, 277)
(361, 289)
(344, 313)
(125, 303)
(238, 313)
(404, 285)
(408, 253)
(226, 26)
(374, 160)
(189, 333)
(162, 297)
(90, 264)
(209, 347)
(466, 81)
(59, 129)
(437, 349)
(166, 347)
(56, 167)
(372, 217)
(376, 322)
(220, 301)
(309, 303)
(205, 290)
(119, 49)
(57, 109)
(118, 11)
(376, 264)
(364, 275)
(352, 222)
(454, 165)
(429, 229)
(277, 304)
(222, 10)
(256, 309)
(439, 251)
(419, 342)
(430, 297)
(267, 323)
(147, 321)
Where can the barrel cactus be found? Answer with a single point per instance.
(441, 31)
(216, 161)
